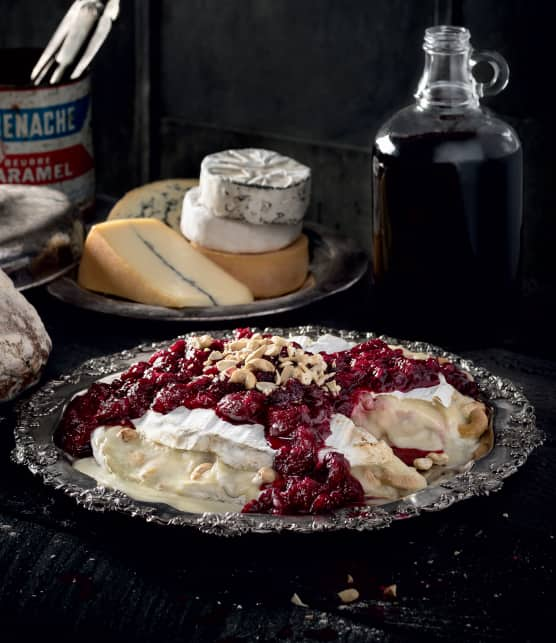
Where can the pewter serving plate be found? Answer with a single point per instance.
(514, 429)
(336, 264)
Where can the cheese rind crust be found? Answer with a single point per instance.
(199, 224)
(254, 185)
(145, 261)
(268, 274)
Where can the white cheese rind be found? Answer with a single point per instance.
(254, 185)
(199, 224)
(242, 446)
(324, 344)
(442, 392)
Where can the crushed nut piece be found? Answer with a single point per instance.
(264, 475)
(243, 376)
(224, 364)
(272, 350)
(350, 579)
(348, 595)
(297, 601)
(285, 361)
(391, 591)
(214, 356)
(422, 464)
(304, 378)
(259, 352)
(438, 458)
(193, 342)
(205, 341)
(287, 372)
(127, 435)
(260, 364)
(265, 387)
(237, 345)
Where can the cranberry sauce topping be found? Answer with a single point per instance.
(296, 415)
(171, 378)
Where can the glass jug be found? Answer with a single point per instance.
(447, 203)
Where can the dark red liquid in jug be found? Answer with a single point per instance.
(446, 235)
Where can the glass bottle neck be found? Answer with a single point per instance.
(447, 82)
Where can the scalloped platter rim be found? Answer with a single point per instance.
(514, 426)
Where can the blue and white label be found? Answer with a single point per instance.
(42, 123)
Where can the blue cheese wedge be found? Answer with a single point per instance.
(160, 200)
(199, 224)
(254, 185)
(145, 261)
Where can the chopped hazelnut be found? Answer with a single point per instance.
(348, 595)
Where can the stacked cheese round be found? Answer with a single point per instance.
(246, 216)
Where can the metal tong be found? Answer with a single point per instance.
(70, 37)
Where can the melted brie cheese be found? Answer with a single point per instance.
(419, 420)
(241, 446)
(373, 463)
(173, 471)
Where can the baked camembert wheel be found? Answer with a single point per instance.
(270, 424)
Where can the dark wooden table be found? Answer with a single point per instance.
(481, 570)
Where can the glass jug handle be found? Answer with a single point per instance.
(500, 72)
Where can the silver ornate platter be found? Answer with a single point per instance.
(336, 264)
(514, 429)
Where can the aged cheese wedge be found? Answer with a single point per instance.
(159, 200)
(267, 274)
(145, 261)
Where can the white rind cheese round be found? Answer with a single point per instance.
(198, 224)
(257, 186)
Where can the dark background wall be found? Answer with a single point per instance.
(312, 78)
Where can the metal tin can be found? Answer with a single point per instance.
(46, 135)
